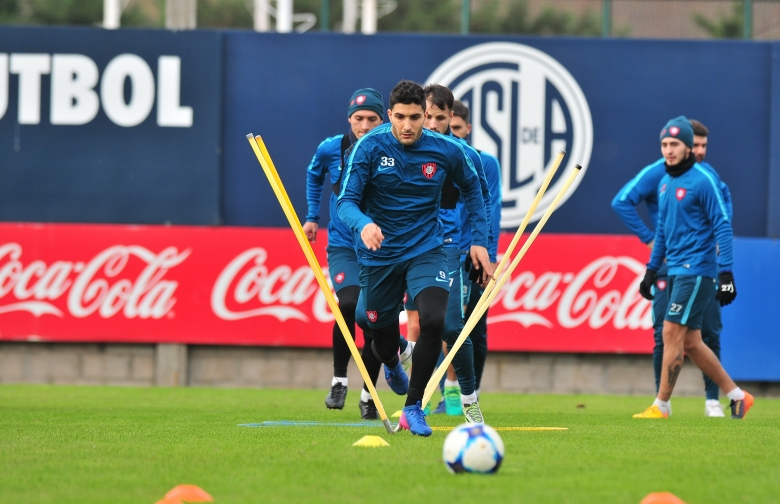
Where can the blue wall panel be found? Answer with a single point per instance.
(750, 342)
(293, 90)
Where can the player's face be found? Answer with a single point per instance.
(459, 127)
(437, 119)
(407, 122)
(699, 147)
(364, 121)
(674, 151)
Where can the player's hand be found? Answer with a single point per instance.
(310, 230)
(727, 291)
(495, 275)
(646, 285)
(372, 236)
(482, 268)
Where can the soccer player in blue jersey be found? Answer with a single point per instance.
(644, 188)
(364, 113)
(460, 386)
(461, 127)
(390, 199)
(692, 223)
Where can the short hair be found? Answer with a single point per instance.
(459, 109)
(407, 92)
(439, 95)
(699, 129)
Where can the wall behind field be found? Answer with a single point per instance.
(99, 160)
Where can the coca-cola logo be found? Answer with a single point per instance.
(107, 284)
(587, 297)
(247, 281)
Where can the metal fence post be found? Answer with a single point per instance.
(606, 20)
(465, 17)
(324, 15)
(747, 30)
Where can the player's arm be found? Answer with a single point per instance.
(714, 204)
(626, 200)
(658, 253)
(315, 178)
(356, 177)
(464, 173)
(493, 176)
(476, 159)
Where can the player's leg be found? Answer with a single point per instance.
(344, 273)
(478, 335)
(463, 397)
(383, 289)
(659, 306)
(710, 334)
(426, 278)
(366, 404)
(679, 291)
(412, 331)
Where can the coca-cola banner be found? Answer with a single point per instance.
(253, 286)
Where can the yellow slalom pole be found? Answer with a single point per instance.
(521, 229)
(258, 146)
(433, 383)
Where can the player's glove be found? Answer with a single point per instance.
(646, 285)
(475, 274)
(727, 291)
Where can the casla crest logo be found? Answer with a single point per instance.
(525, 108)
(429, 169)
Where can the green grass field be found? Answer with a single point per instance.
(63, 444)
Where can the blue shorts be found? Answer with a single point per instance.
(343, 267)
(689, 298)
(383, 286)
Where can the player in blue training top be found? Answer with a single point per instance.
(390, 199)
(459, 392)
(461, 127)
(364, 113)
(692, 223)
(644, 188)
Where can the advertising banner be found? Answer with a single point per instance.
(240, 286)
(119, 126)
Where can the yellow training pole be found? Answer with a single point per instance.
(433, 383)
(539, 195)
(258, 146)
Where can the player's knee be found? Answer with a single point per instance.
(348, 298)
(433, 323)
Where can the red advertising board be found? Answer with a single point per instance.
(250, 286)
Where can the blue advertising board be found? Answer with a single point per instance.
(604, 101)
(110, 126)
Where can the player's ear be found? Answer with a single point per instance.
(389, 113)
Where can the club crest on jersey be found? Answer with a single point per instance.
(661, 284)
(360, 99)
(680, 193)
(429, 169)
(663, 188)
(372, 316)
(339, 278)
(674, 130)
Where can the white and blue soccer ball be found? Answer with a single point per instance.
(473, 448)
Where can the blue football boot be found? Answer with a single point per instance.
(413, 420)
(397, 379)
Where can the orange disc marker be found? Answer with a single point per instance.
(662, 498)
(188, 493)
(169, 501)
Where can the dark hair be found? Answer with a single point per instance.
(439, 96)
(459, 109)
(407, 92)
(699, 129)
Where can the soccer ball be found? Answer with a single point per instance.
(474, 448)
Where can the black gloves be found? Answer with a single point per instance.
(646, 285)
(727, 291)
(475, 274)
